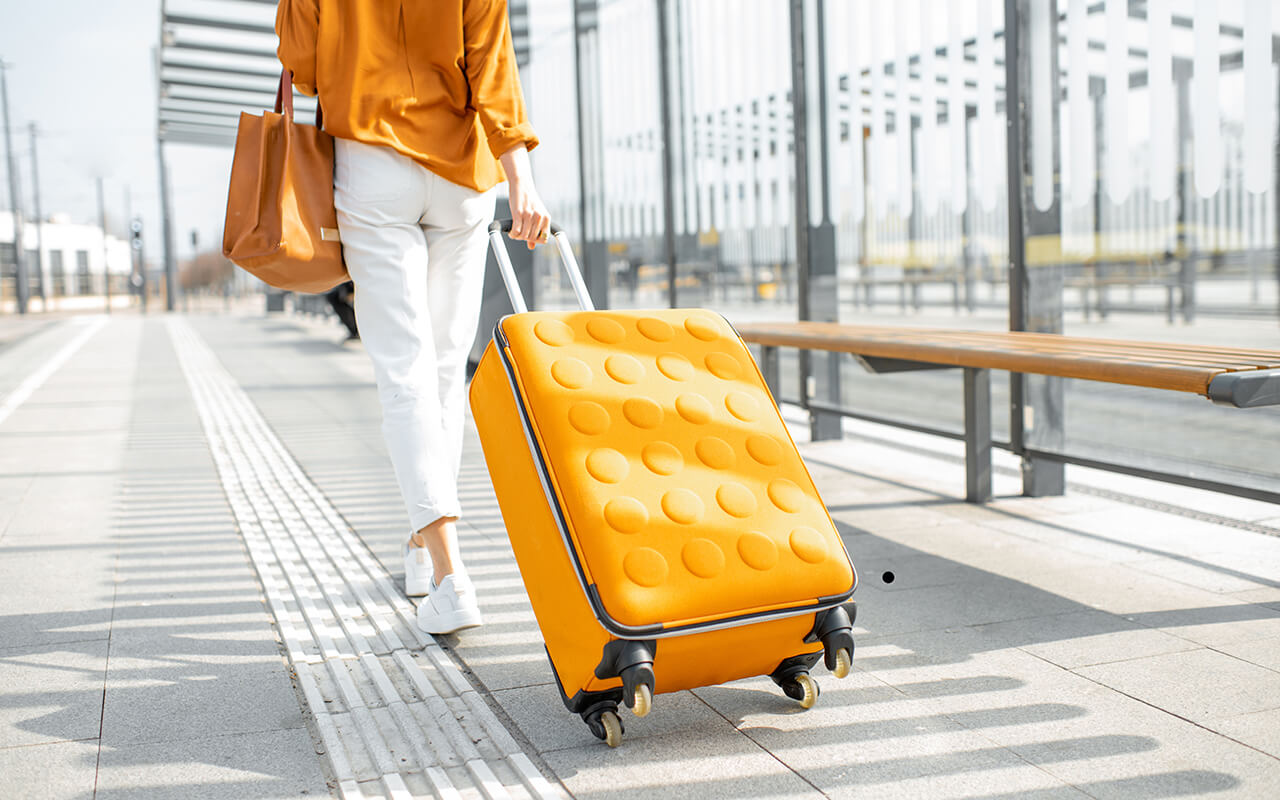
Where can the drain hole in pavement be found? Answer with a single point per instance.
(887, 577)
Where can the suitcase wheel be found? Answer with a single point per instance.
(604, 723)
(843, 662)
(642, 700)
(802, 687)
(612, 728)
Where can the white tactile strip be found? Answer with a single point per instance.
(396, 717)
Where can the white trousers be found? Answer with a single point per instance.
(414, 244)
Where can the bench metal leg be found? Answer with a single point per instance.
(1043, 478)
(977, 435)
(771, 368)
(825, 425)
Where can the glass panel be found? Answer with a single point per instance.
(549, 84)
(1185, 254)
(1151, 216)
(734, 172)
(917, 108)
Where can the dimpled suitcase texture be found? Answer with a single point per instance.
(666, 529)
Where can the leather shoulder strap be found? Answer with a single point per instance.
(284, 94)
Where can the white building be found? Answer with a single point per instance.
(72, 258)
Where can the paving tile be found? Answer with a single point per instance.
(39, 629)
(1208, 572)
(505, 656)
(984, 598)
(910, 569)
(1260, 729)
(1121, 747)
(164, 700)
(64, 770)
(540, 714)
(863, 738)
(1201, 685)
(1121, 590)
(1085, 637)
(698, 763)
(1263, 652)
(51, 693)
(1215, 621)
(271, 764)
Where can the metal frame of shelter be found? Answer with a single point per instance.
(1035, 288)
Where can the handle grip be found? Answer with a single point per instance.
(504, 226)
(501, 226)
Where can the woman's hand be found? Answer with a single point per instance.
(529, 219)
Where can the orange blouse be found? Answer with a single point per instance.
(434, 80)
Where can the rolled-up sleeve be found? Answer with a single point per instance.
(297, 25)
(493, 77)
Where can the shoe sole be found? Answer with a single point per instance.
(452, 622)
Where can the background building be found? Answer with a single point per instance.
(70, 263)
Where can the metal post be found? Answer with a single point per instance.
(1186, 247)
(800, 146)
(977, 435)
(1034, 305)
(1014, 105)
(815, 247)
(771, 369)
(35, 187)
(15, 199)
(668, 150)
(166, 218)
(595, 255)
(106, 265)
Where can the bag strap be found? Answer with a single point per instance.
(284, 99)
(284, 94)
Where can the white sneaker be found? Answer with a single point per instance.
(449, 607)
(417, 571)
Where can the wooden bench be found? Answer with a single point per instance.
(1231, 376)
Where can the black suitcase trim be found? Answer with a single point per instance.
(614, 627)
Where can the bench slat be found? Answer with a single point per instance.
(1188, 368)
(1021, 338)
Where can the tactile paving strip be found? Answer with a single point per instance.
(395, 716)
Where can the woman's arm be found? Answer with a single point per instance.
(529, 219)
(499, 103)
(297, 25)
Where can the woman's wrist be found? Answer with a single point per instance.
(515, 163)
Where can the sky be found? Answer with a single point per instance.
(82, 71)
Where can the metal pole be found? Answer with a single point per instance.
(106, 267)
(15, 199)
(585, 234)
(668, 154)
(35, 187)
(1038, 299)
(1017, 241)
(170, 265)
(800, 139)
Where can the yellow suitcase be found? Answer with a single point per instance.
(666, 529)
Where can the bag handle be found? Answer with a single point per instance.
(284, 99)
(501, 226)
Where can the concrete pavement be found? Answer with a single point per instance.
(200, 537)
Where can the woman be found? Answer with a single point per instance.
(425, 105)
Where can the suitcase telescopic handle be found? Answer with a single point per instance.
(501, 226)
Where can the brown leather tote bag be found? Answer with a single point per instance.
(281, 225)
